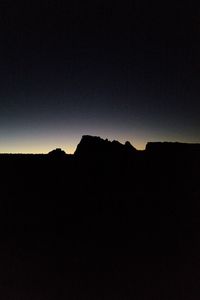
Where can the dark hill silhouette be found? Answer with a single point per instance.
(57, 152)
(96, 146)
(172, 147)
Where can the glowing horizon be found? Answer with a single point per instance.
(44, 144)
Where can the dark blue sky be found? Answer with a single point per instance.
(126, 70)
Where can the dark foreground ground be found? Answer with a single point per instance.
(101, 226)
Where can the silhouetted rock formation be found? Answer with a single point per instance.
(94, 146)
(171, 147)
(57, 152)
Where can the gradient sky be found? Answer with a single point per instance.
(124, 70)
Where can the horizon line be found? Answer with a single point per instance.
(72, 153)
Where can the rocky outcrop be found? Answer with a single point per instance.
(58, 152)
(96, 146)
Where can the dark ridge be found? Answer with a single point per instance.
(171, 146)
(95, 146)
(58, 152)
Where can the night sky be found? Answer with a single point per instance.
(124, 70)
